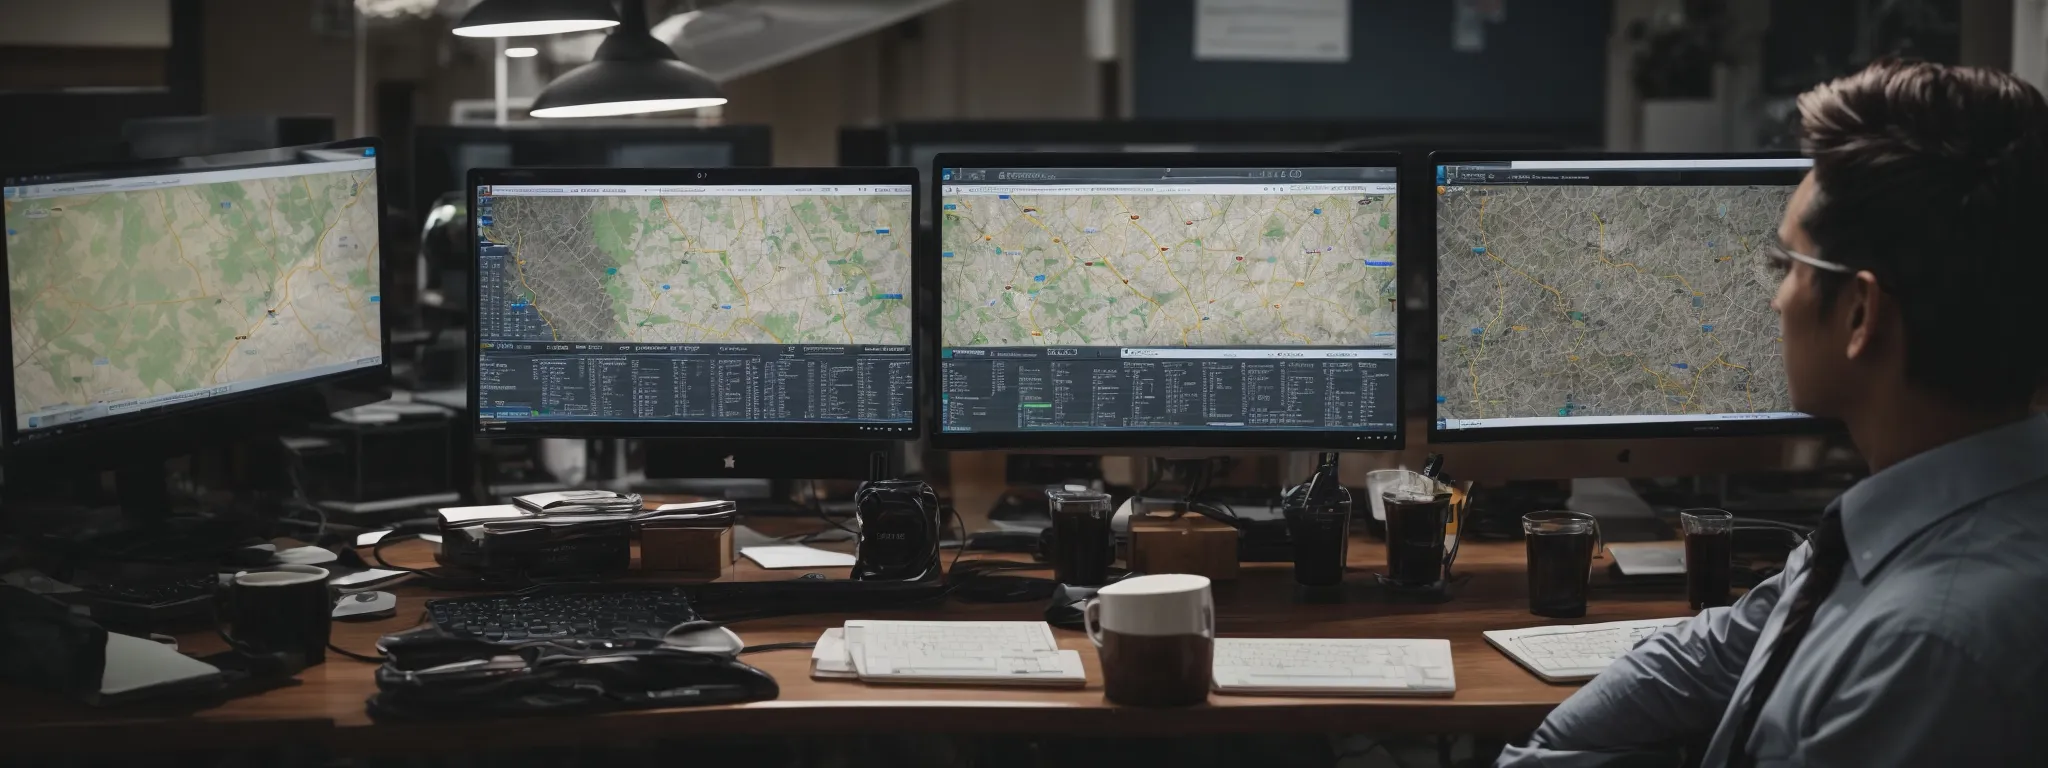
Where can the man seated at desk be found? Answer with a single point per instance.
(1909, 630)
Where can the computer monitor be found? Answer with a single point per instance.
(738, 303)
(1608, 296)
(155, 307)
(1199, 300)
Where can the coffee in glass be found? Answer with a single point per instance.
(1560, 550)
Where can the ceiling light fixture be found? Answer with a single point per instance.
(519, 18)
(632, 73)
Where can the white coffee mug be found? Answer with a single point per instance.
(1155, 636)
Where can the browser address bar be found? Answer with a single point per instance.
(1652, 164)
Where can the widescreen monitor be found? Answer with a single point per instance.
(158, 289)
(770, 302)
(1618, 296)
(1090, 301)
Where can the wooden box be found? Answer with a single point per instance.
(1187, 544)
(691, 551)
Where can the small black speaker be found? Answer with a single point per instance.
(899, 531)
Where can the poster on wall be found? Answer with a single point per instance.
(1273, 30)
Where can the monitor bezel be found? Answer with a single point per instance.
(751, 147)
(1347, 440)
(710, 177)
(170, 427)
(1437, 434)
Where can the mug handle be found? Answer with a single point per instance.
(1090, 623)
(1209, 619)
(227, 612)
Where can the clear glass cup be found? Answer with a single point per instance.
(1709, 546)
(1082, 542)
(1561, 544)
(1418, 510)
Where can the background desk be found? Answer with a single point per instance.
(1495, 697)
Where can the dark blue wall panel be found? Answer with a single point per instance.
(1545, 62)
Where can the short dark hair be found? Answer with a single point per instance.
(1935, 179)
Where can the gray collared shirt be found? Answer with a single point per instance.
(1929, 651)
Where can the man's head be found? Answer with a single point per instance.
(1926, 217)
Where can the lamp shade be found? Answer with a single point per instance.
(518, 18)
(632, 73)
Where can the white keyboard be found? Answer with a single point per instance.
(1577, 652)
(1007, 652)
(1334, 666)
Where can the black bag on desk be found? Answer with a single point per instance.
(563, 678)
(44, 645)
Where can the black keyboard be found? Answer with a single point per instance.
(158, 592)
(542, 613)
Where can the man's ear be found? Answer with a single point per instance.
(1867, 311)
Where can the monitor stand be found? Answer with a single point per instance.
(737, 469)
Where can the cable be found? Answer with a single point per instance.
(372, 658)
(945, 509)
(764, 647)
(815, 502)
(446, 581)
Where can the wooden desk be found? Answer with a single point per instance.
(1495, 697)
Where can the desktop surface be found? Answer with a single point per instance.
(731, 303)
(1494, 696)
(1221, 300)
(155, 288)
(1595, 296)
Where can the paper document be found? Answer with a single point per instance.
(305, 556)
(831, 659)
(796, 556)
(370, 576)
(458, 515)
(1648, 558)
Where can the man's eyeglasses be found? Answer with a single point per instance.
(1781, 260)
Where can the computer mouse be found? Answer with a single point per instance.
(363, 606)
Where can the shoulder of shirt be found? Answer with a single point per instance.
(1973, 580)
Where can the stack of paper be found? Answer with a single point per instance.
(697, 513)
(948, 652)
(580, 503)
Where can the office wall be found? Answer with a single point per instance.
(83, 43)
(86, 23)
(972, 60)
(265, 57)
(1546, 61)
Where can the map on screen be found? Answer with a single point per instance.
(755, 269)
(1582, 301)
(1168, 270)
(175, 288)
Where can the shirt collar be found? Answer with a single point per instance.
(1886, 510)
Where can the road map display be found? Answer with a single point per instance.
(731, 268)
(132, 293)
(1168, 270)
(1217, 302)
(1607, 301)
(689, 305)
